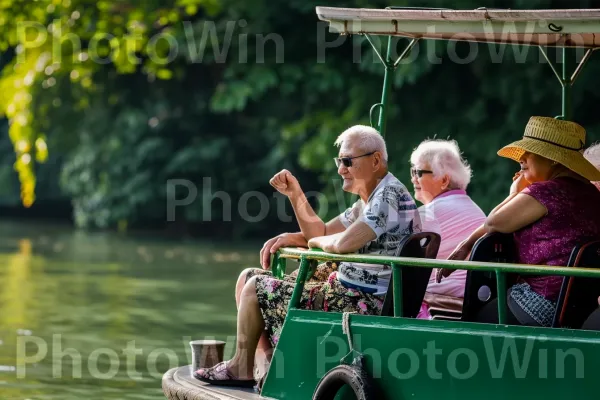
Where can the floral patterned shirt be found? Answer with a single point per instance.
(392, 214)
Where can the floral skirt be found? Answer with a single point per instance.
(323, 292)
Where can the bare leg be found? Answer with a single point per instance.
(250, 326)
(239, 286)
(264, 350)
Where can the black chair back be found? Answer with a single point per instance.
(414, 279)
(480, 287)
(578, 296)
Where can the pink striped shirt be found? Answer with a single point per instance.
(454, 216)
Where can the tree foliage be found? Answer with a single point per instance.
(58, 40)
(245, 93)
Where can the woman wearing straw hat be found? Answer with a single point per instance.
(552, 206)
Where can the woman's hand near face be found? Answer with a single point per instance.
(519, 183)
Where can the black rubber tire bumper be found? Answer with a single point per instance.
(352, 375)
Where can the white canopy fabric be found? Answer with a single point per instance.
(556, 28)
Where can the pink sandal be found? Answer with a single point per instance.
(219, 375)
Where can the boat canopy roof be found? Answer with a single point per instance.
(554, 28)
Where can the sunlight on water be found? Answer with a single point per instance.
(103, 316)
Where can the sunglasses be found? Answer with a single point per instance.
(347, 161)
(419, 172)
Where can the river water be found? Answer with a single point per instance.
(104, 315)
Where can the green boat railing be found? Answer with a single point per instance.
(308, 257)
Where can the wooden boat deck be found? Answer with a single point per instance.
(178, 384)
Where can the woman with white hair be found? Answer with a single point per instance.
(440, 177)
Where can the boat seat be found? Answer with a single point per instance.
(578, 296)
(414, 279)
(480, 286)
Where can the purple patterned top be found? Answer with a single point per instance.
(573, 218)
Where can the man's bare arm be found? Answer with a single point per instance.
(356, 236)
(310, 223)
(334, 226)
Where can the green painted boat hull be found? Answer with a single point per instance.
(417, 359)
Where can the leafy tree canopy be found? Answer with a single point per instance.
(130, 95)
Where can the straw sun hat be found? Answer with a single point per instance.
(557, 140)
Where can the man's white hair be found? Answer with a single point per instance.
(444, 158)
(367, 138)
(592, 154)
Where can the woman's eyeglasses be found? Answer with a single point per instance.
(419, 172)
(347, 161)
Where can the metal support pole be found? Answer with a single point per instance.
(387, 85)
(566, 88)
(501, 284)
(545, 54)
(390, 66)
(372, 121)
(281, 268)
(397, 287)
(375, 50)
(275, 265)
(566, 80)
(406, 51)
(584, 60)
(300, 280)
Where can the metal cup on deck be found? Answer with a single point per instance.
(206, 353)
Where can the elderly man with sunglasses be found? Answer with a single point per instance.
(377, 223)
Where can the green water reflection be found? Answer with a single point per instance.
(112, 311)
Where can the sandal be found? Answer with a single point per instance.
(220, 376)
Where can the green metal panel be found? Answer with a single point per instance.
(418, 359)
